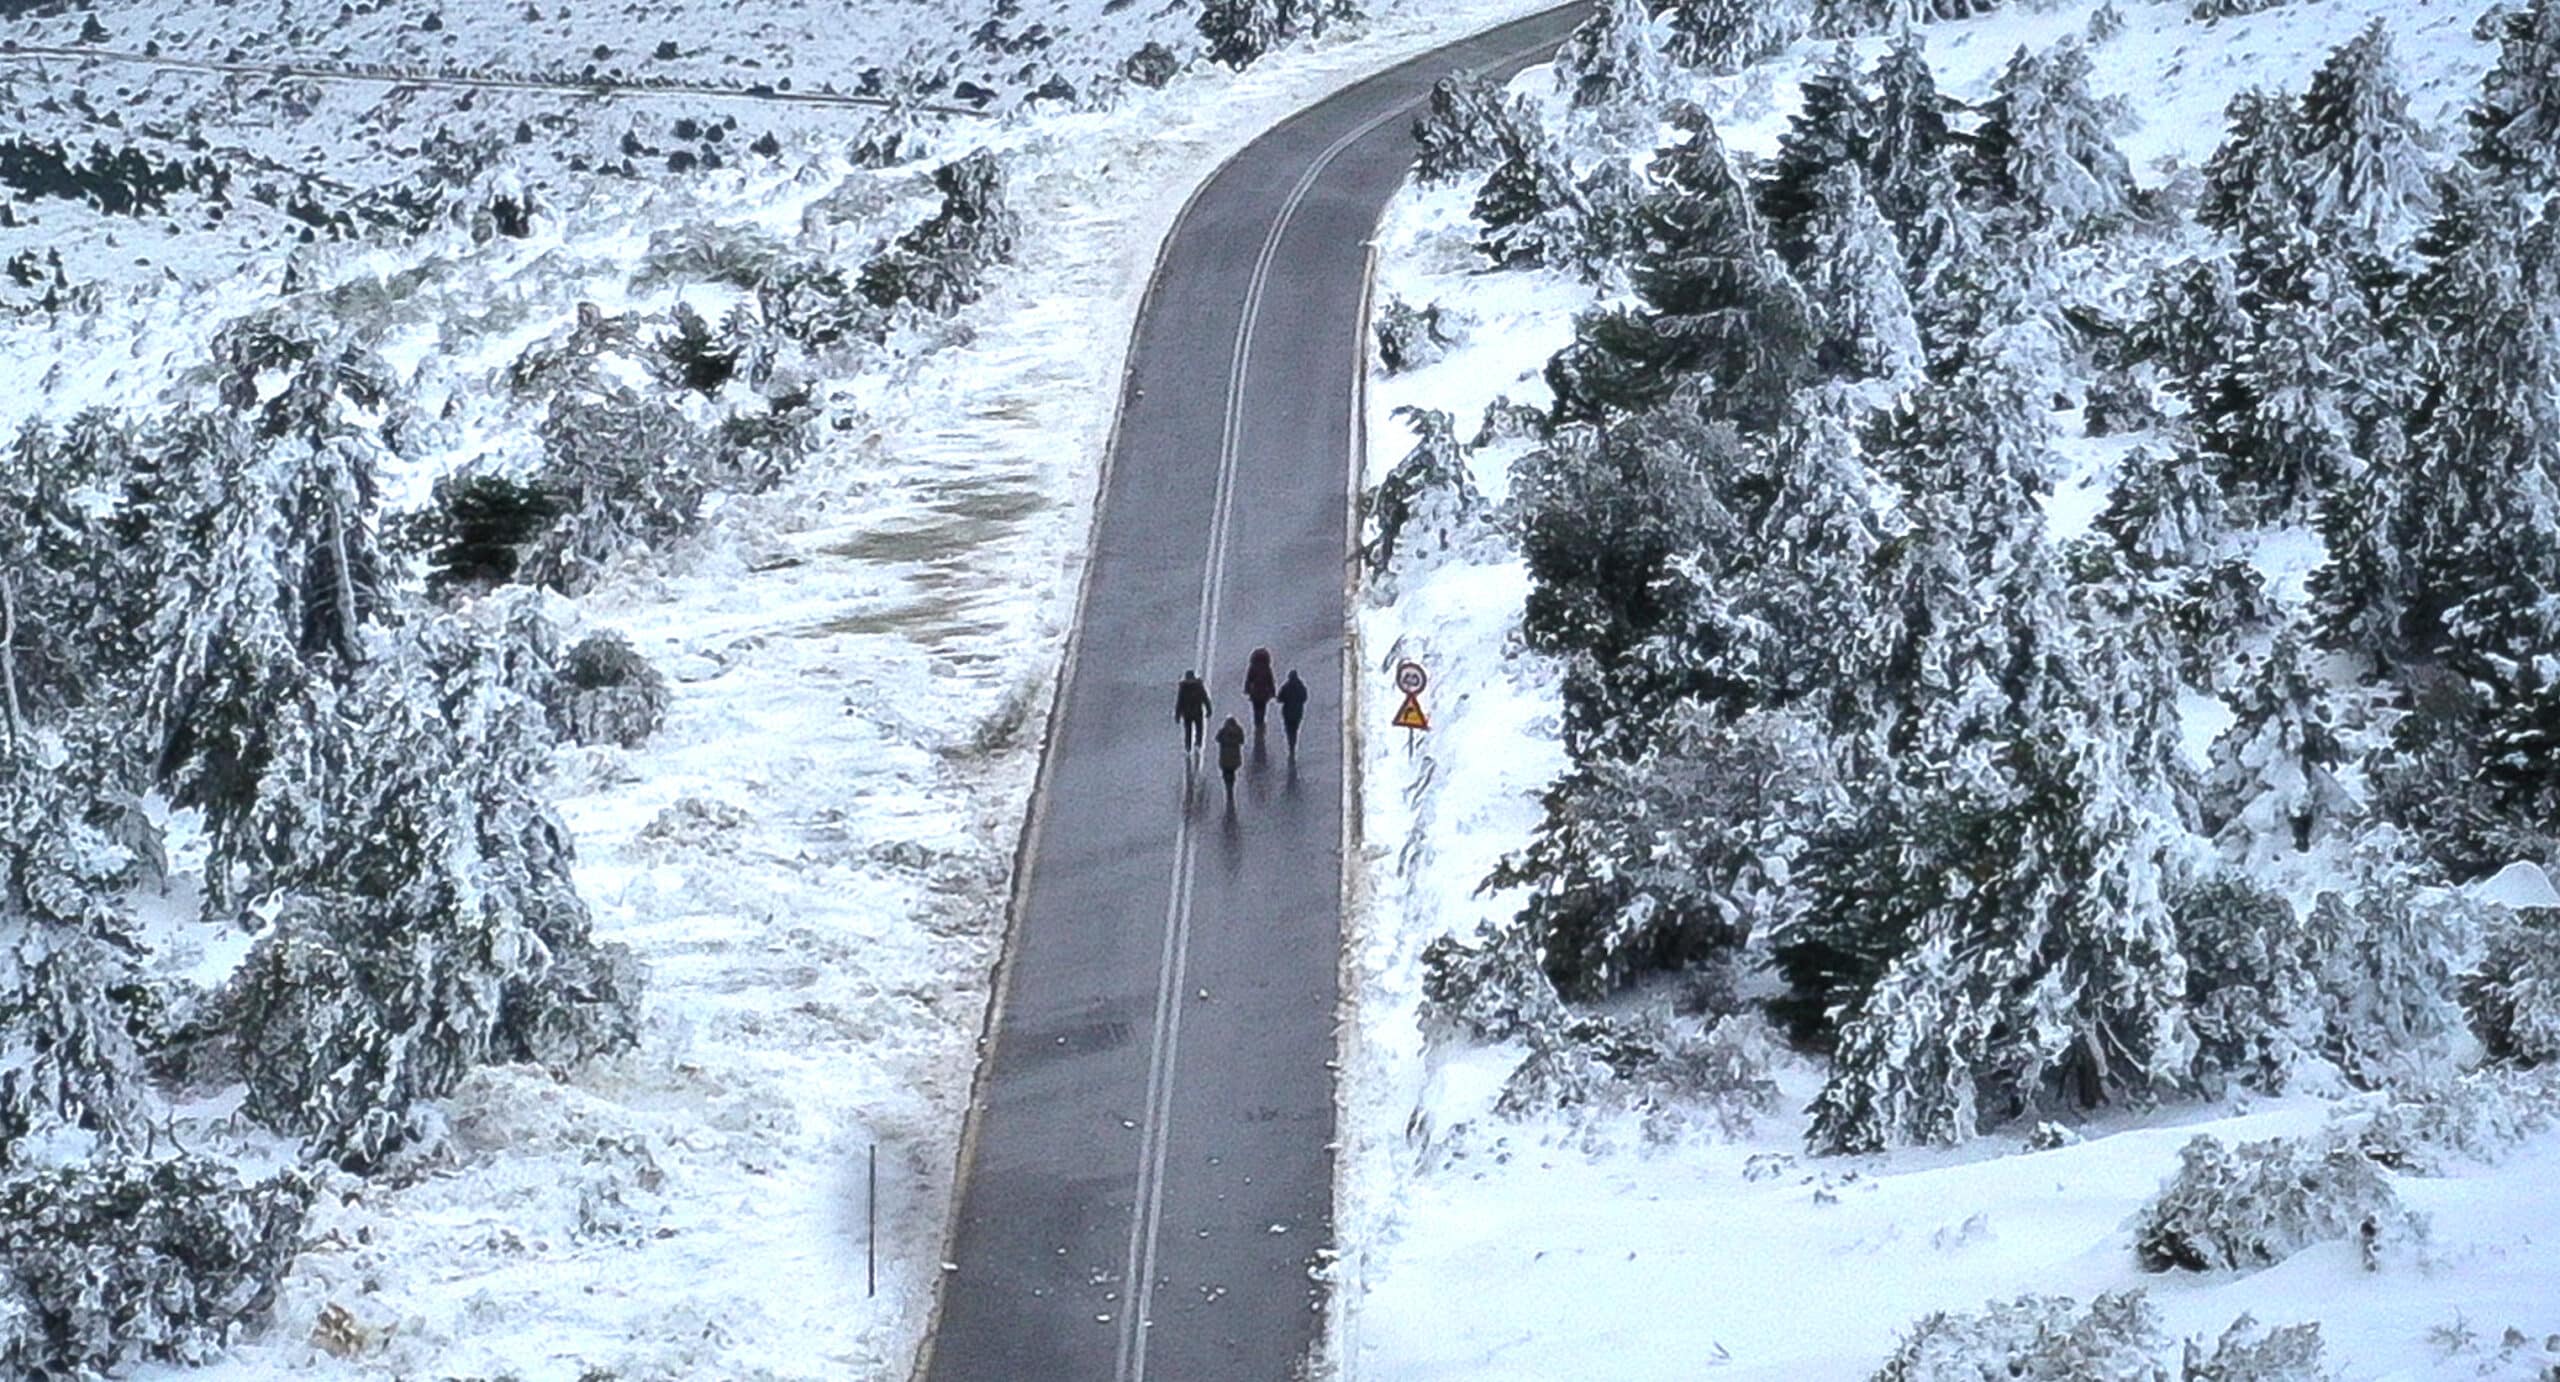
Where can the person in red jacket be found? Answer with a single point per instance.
(1260, 686)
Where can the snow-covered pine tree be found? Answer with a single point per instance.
(2476, 523)
(1614, 62)
(1714, 303)
(1530, 206)
(1469, 127)
(70, 973)
(1907, 168)
(2165, 511)
(2515, 129)
(2253, 176)
(2388, 961)
(2250, 993)
(2191, 325)
(1852, 279)
(2362, 168)
(431, 922)
(1239, 32)
(1667, 860)
(1612, 525)
(1720, 37)
(2043, 147)
(2273, 784)
(1834, 128)
(1982, 950)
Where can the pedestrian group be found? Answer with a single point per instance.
(1191, 709)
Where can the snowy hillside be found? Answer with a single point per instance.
(1787, 499)
(351, 1027)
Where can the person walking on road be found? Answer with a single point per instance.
(1293, 708)
(1258, 686)
(1230, 756)
(1191, 707)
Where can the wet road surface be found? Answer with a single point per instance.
(1146, 1185)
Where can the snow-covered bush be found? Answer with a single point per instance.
(1720, 1070)
(1491, 988)
(107, 1265)
(626, 472)
(941, 265)
(2034, 1339)
(2250, 1352)
(1410, 337)
(2258, 1204)
(2475, 1118)
(1153, 66)
(606, 693)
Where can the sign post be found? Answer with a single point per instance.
(1411, 679)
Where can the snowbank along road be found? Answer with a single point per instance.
(1147, 1175)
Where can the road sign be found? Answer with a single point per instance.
(1410, 678)
(1411, 716)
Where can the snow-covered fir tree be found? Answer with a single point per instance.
(2274, 782)
(1724, 36)
(1834, 128)
(1907, 167)
(1713, 302)
(2043, 146)
(2515, 128)
(1852, 278)
(2363, 169)
(1614, 62)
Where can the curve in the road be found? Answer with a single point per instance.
(1159, 1205)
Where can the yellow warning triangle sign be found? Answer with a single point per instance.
(1411, 716)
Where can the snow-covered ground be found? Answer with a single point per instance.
(812, 857)
(1482, 1246)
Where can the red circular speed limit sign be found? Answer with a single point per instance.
(1410, 678)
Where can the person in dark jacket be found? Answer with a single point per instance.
(1230, 756)
(1293, 708)
(1191, 707)
(1258, 686)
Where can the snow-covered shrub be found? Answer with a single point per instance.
(1558, 1073)
(1531, 205)
(701, 358)
(2513, 996)
(106, 1265)
(2258, 1204)
(2250, 1352)
(626, 472)
(1491, 988)
(2207, 11)
(1720, 1070)
(2475, 1118)
(2034, 1339)
(1152, 66)
(606, 693)
(1238, 32)
(941, 265)
(1410, 337)
(1429, 494)
(1471, 124)
(815, 306)
(1720, 37)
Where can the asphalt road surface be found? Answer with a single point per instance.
(1147, 1178)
